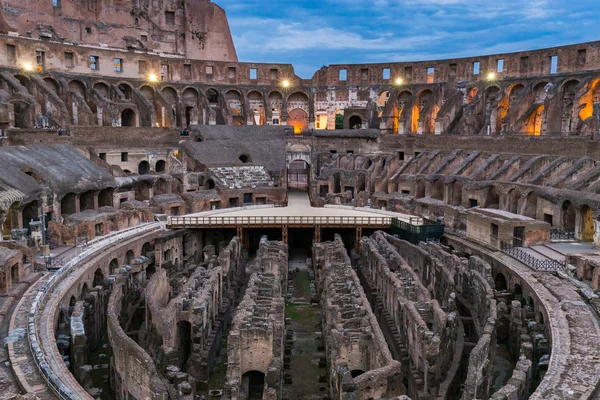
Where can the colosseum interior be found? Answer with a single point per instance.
(177, 224)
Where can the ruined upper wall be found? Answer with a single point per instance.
(196, 29)
(572, 58)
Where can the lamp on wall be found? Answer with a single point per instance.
(491, 76)
(152, 77)
(399, 81)
(27, 66)
(285, 83)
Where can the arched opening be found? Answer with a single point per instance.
(337, 186)
(210, 184)
(30, 213)
(298, 174)
(128, 117)
(513, 201)
(98, 278)
(298, 118)
(339, 119)
(492, 199)
(253, 384)
(161, 186)
(147, 250)
(78, 87)
(255, 102)
(355, 122)
(420, 109)
(142, 191)
(457, 194)
(437, 189)
(275, 104)
(568, 101)
(129, 257)
(72, 301)
(420, 189)
(356, 372)
(161, 166)
(245, 158)
(500, 282)
(535, 122)
(188, 115)
(383, 99)
(52, 84)
(184, 342)
(568, 216)
(212, 96)
(169, 95)
(14, 273)
(105, 198)
(143, 167)
(113, 266)
(148, 92)
(126, 90)
(68, 204)
(531, 206)
(103, 90)
(86, 201)
(234, 100)
(587, 224)
(85, 290)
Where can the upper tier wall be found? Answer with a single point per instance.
(135, 64)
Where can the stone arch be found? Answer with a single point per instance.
(147, 248)
(355, 122)
(77, 86)
(513, 92)
(161, 186)
(587, 224)
(534, 123)
(105, 198)
(437, 189)
(256, 104)
(52, 84)
(500, 282)
(86, 201)
(245, 158)
(568, 216)
(102, 89)
(539, 91)
(569, 92)
(210, 184)
(190, 98)
(126, 89)
(383, 98)
(128, 118)
(143, 167)
(512, 201)
(420, 189)
(113, 266)
(212, 96)
(161, 166)
(169, 94)
(457, 188)
(298, 172)
(255, 382)
(492, 199)
(298, 118)
(421, 106)
(471, 93)
(275, 100)
(84, 291)
(148, 92)
(26, 82)
(98, 278)
(68, 204)
(297, 100)
(129, 257)
(530, 209)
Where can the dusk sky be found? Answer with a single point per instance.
(312, 33)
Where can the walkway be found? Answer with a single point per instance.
(298, 213)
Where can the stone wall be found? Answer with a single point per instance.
(256, 338)
(361, 365)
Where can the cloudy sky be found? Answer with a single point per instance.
(313, 33)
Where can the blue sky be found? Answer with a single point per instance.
(313, 33)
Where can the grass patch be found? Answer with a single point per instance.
(300, 312)
(302, 284)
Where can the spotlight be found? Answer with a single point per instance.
(491, 76)
(27, 66)
(285, 83)
(152, 77)
(399, 81)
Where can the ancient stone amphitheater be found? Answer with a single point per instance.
(180, 225)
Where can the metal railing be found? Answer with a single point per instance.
(207, 222)
(52, 379)
(562, 234)
(532, 261)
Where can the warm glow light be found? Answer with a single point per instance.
(398, 81)
(152, 77)
(285, 83)
(157, 125)
(27, 66)
(491, 76)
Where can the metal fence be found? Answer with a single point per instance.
(418, 230)
(53, 380)
(562, 234)
(532, 261)
(209, 222)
